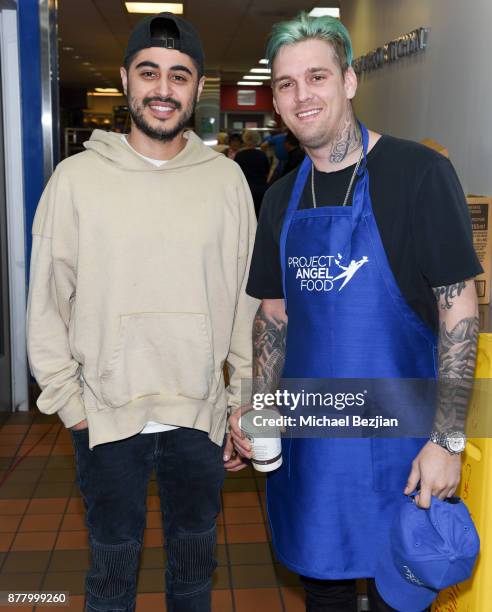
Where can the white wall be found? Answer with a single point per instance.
(444, 92)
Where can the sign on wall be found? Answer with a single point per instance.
(246, 97)
(408, 44)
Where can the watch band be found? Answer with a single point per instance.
(438, 437)
(447, 440)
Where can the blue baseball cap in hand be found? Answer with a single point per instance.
(428, 550)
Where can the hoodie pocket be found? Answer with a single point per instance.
(72, 331)
(164, 353)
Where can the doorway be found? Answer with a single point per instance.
(5, 359)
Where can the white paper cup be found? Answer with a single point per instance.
(265, 439)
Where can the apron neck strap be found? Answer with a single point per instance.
(365, 145)
(361, 194)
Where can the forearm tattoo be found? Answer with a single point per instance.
(348, 139)
(446, 295)
(457, 355)
(269, 335)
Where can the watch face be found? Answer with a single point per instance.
(456, 442)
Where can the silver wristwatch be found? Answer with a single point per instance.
(453, 441)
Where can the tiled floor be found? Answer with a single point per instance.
(43, 540)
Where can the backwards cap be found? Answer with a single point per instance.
(168, 31)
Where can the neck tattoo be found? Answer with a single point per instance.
(347, 140)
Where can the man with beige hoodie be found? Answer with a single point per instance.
(141, 246)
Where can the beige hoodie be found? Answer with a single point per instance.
(137, 291)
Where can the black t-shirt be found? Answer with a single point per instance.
(254, 163)
(420, 210)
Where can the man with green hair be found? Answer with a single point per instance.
(377, 281)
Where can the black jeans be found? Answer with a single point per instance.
(340, 596)
(113, 480)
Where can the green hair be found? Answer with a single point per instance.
(304, 27)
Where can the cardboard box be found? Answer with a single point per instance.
(485, 318)
(480, 208)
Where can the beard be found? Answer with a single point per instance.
(343, 136)
(316, 140)
(160, 133)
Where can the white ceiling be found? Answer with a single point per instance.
(233, 33)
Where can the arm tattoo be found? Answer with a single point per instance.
(347, 139)
(445, 295)
(457, 354)
(269, 334)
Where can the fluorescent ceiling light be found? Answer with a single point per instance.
(319, 11)
(263, 61)
(154, 7)
(101, 93)
(254, 83)
(256, 77)
(261, 70)
(107, 90)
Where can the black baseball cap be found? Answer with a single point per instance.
(168, 31)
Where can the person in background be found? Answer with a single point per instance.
(254, 164)
(276, 144)
(141, 247)
(295, 154)
(272, 129)
(235, 144)
(267, 149)
(382, 226)
(222, 142)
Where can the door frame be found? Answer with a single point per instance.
(14, 195)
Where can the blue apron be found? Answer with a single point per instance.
(331, 502)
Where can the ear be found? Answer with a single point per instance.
(124, 79)
(350, 82)
(201, 84)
